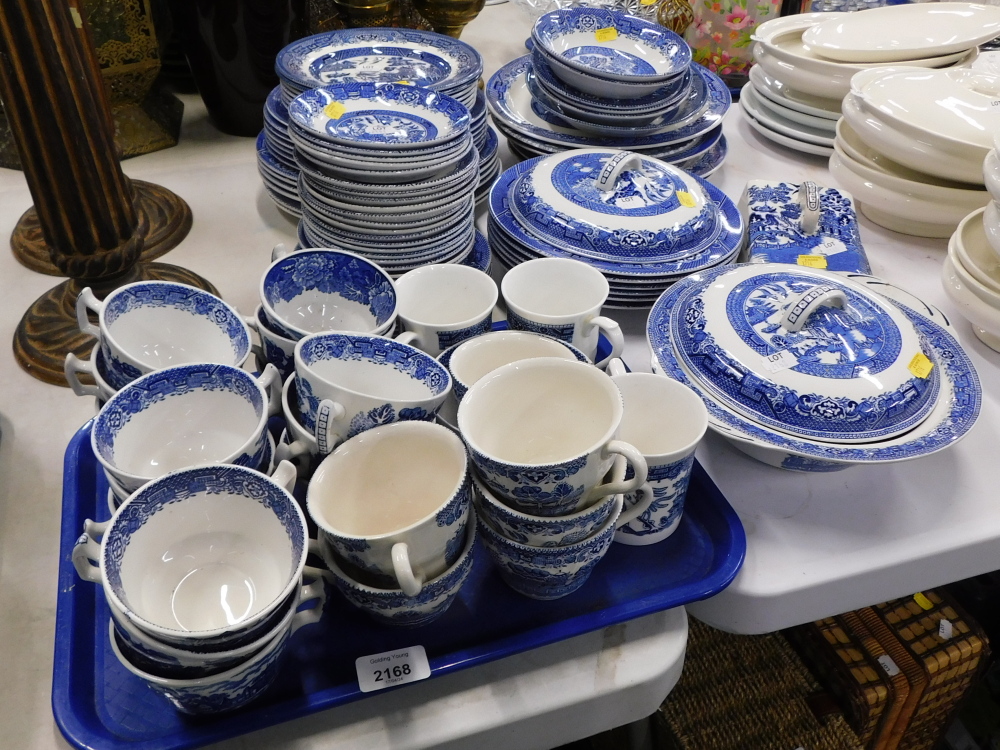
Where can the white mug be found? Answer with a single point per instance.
(443, 304)
(665, 420)
(561, 298)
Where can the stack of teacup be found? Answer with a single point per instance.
(204, 573)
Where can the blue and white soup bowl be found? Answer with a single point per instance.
(74, 367)
(549, 572)
(200, 558)
(163, 660)
(347, 383)
(395, 606)
(298, 443)
(150, 325)
(543, 434)
(554, 531)
(327, 290)
(185, 416)
(394, 503)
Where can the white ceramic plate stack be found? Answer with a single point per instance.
(912, 143)
(388, 171)
(276, 156)
(806, 61)
(600, 78)
(645, 226)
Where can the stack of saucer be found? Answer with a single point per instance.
(805, 62)
(365, 147)
(602, 78)
(276, 156)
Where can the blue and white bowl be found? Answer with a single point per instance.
(148, 325)
(549, 572)
(74, 367)
(387, 115)
(184, 416)
(176, 543)
(277, 349)
(327, 290)
(393, 606)
(609, 45)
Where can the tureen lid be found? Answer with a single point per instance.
(805, 351)
(614, 205)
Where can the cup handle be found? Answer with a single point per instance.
(616, 367)
(87, 551)
(614, 333)
(288, 451)
(86, 302)
(72, 368)
(328, 412)
(410, 583)
(630, 514)
(315, 591)
(285, 475)
(270, 378)
(408, 337)
(639, 466)
(279, 251)
(251, 321)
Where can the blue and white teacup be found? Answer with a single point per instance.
(149, 325)
(74, 367)
(394, 503)
(163, 660)
(396, 607)
(549, 572)
(554, 531)
(665, 420)
(347, 383)
(174, 545)
(317, 290)
(543, 434)
(277, 349)
(470, 360)
(184, 416)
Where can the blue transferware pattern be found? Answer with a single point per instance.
(385, 414)
(545, 490)
(330, 272)
(709, 161)
(392, 606)
(392, 114)
(510, 101)
(118, 373)
(775, 231)
(383, 55)
(669, 483)
(729, 215)
(446, 339)
(562, 332)
(273, 352)
(834, 344)
(163, 665)
(479, 256)
(546, 572)
(959, 410)
(606, 62)
(270, 166)
(163, 385)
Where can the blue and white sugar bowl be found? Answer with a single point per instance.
(619, 206)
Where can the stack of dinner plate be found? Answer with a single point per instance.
(386, 170)
(804, 63)
(601, 78)
(642, 222)
(276, 156)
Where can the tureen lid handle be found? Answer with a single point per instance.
(614, 166)
(809, 200)
(799, 309)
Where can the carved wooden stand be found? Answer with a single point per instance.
(54, 98)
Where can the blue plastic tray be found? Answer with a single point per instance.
(98, 704)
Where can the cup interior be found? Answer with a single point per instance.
(554, 287)
(478, 356)
(540, 411)
(661, 415)
(445, 294)
(387, 479)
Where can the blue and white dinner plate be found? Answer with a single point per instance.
(511, 103)
(380, 55)
(479, 257)
(384, 116)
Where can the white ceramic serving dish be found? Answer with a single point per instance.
(787, 97)
(776, 121)
(785, 140)
(972, 250)
(991, 173)
(991, 225)
(971, 298)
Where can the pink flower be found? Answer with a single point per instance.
(738, 19)
(717, 37)
(703, 27)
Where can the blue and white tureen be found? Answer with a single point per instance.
(812, 370)
(618, 206)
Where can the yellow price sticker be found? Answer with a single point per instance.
(608, 34)
(405, 83)
(648, 2)
(923, 601)
(334, 110)
(686, 199)
(920, 365)
(812, 261)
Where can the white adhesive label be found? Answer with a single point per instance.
(888, 665)
(392, 668)
(780, 361)
(945, 629)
